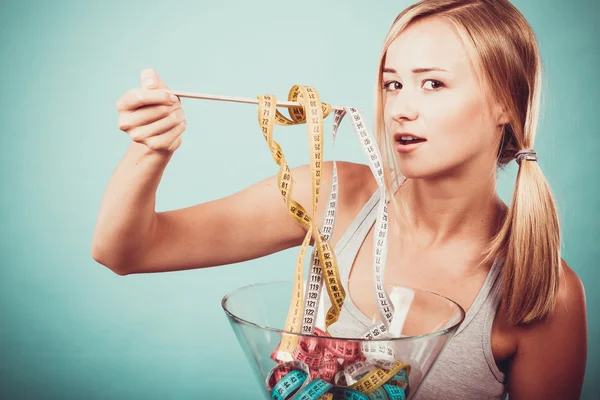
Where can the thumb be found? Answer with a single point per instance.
(150, 79)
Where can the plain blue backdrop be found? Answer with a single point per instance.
(69, 327)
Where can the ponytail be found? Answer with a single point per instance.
(529, 240)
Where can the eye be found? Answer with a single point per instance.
(435, 85)
(392, 85)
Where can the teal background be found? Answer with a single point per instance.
(71, 328)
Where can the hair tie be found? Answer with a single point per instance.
(528, 155)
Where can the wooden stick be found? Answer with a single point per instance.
(288, 104)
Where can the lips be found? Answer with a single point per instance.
(407, 138)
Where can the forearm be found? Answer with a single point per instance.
(127, 211)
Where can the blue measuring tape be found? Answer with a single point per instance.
(394, 392)
(351, 394)
(288, 384)
(401, 380)
(316, 388)
(295, 379)
(313, 390)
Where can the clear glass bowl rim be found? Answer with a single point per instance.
(281, 331)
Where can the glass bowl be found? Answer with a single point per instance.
(342, 364)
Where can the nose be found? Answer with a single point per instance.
(403, 108)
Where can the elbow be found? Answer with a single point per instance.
(101, 256)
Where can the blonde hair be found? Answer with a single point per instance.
(503, 47)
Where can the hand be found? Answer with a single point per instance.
(151, 115)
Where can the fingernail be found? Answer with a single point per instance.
(150, 82)
(174, 98)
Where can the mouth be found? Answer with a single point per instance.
(406, 139)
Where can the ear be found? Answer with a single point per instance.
(500, 115)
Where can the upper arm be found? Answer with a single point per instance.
(551, 355)
(251, 223)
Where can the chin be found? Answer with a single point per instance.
(414, 175)
(412, 170)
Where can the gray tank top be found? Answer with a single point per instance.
(466, 369)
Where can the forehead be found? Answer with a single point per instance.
(430, 42)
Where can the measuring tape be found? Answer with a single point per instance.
(315, 111)
(309, 367)
(314, 284)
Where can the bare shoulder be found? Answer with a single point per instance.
(355, 182)
(570, 309)
(568, 319)
(571, 295)
(551, 354)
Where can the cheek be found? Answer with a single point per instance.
(456, 121)
(387, 118)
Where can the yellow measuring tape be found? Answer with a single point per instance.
(312, 112)
(376, 378)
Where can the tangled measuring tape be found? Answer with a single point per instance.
(310, 367)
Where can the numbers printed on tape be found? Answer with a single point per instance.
(308, 98)
(308, 367)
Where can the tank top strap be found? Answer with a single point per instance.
(488, 295)
(353, 237)
(351, 241)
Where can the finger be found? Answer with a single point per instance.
(175, 145)
(141, 133)
(150, 79)
(139, 97)
(144, 115)
(167, 140)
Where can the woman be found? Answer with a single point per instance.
(458, 97)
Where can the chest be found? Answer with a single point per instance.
(446, 271)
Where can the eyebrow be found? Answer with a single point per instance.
(416, 70)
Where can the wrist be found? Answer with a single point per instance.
(147, 153)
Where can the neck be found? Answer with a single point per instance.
(463, 207)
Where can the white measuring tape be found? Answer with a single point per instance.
(354, 367)
(314, 284)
